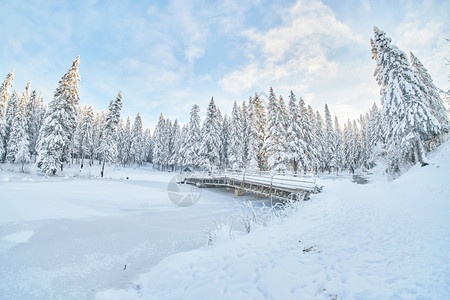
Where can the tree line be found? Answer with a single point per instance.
(256, 136)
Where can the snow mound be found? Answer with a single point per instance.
(382, 240)
(18, 237)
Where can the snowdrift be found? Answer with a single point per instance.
(382, 240)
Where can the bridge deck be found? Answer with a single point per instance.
(278, 186)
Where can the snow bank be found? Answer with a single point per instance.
(382, 240)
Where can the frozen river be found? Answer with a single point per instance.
(69, 238)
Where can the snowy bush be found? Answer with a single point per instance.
(247, 218)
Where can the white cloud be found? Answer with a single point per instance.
(424, 31)
(297, 50)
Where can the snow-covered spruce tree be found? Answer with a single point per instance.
(181, 159)
(329, 162)
(244, 124)
(210, 145)
(283, 111)
(261, 123)
(407, 109)
(147, 145)
(76, 140)
(161, 144)
(194, 139)
(176, 144)
(338, 155)
(306, 126)
(376, 135)
(431, 92)
(4, 97)
(364, 140)
(120, 138)
(224, 145)
(170, 142)
(296, 145)
(235, 143)
(18, 139)
(55, 137)
(252, 138)
(275, 143)
(320, 142)
(314, 157)
(137, 141)
(87, 135)
(347, 138)
(125, 142)
(156, 146)
(108, 144)
(35, 113)
(357, 145)
(11, 109)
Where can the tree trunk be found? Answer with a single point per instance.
(103, 168)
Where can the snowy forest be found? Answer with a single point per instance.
(282, 135)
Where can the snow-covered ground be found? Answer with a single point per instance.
(382, 240)
(71, 236)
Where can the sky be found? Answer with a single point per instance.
(167, 55)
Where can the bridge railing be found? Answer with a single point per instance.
(272, 179)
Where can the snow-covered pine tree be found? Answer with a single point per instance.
(108, 144)
(407, 109)
(375, 137)
(296, 144)
(55, 137)
(306, 126)
(147, 145)
(5, 94)
(156, 160)
(357, 145)
(11, 109)
(137, 141)
(275, 142)
(314, 157)
(261, 123)
(210, 145)
(176, 144)
(244, 125)
(283, 111)
(161, 143)
(170, 139)
(435, 103)
(76, 140)
(329, 160)
(235, 143)
(252, 138)
(99, 119)
(338, 155)
(364, 139)
(320, 142)
(17, 150)
(125, 142)
(194, 139)
(35, 113)
(347, 137)
(181, 159)
(225, 137)
(120, 138)
(87, 135)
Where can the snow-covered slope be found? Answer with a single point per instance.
(382, 240)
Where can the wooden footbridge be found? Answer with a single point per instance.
(272, 185)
